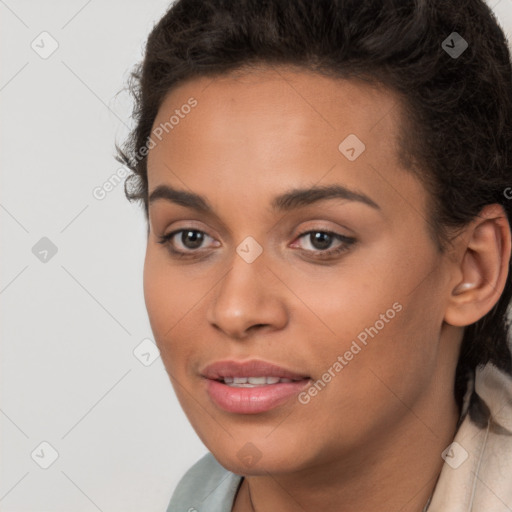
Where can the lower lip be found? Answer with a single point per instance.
(253, 400)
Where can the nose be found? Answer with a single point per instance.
(248, 298)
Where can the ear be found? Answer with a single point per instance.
(482, 268)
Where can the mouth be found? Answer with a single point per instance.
(252, 382)
(251, 387)
(254, 371)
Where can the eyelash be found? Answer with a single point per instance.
(323, 254)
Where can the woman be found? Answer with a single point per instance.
(327, 267)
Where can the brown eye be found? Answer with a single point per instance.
(320, 242)
(185, 242)
(191, 239)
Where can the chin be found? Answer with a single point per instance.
(249, 460)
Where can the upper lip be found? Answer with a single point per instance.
(252, 368)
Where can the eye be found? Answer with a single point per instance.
(321, 241)
(190, 240)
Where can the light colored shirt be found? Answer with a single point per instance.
(476, 475)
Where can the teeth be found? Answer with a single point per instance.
(251, 382)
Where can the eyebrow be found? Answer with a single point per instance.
(291, 200)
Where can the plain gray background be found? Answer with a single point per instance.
(72, 319)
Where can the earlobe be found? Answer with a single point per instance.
(484, 266)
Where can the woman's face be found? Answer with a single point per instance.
(346, 290)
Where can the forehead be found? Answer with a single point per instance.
(266, 99)
(246, 128)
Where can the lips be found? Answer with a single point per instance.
(253, 368)
(251, 387)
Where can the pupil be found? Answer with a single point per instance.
(321, 240)
(196, 237)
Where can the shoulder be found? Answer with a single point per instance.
(206, 486)
(479, 456)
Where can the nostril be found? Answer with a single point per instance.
(258, 325)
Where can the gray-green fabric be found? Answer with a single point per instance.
(205, 487)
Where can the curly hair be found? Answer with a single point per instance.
(456, 124)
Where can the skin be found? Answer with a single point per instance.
(372, 438)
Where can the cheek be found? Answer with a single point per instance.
(341, 302)
(385, 362)
(380, 311)
(166, 303)
(156, 294)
